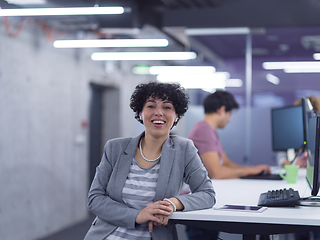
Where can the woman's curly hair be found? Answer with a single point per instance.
(173, 92)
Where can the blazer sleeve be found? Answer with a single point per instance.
(196, 176)
(99, 202)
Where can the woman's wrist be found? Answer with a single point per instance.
(172, 203)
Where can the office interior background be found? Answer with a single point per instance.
(58, 106)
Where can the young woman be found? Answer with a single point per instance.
(138, 182)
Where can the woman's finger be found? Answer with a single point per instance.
(150, 226)
(165, 221)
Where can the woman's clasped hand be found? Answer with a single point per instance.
(156, 213)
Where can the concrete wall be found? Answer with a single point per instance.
(44, 106)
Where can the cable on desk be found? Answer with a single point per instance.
(312, 201)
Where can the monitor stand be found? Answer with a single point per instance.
(301, 150)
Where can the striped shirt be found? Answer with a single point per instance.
(138, 192)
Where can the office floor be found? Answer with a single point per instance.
(75, 232)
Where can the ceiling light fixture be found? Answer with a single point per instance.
(217, 80)
(155, 70)
(316, 56)
(199, 84)
(61, 11)
(293, 67)
(273, 79)
(217, 31)
(109, 43)
(302, 70)
(198, 81)
(26, 2)
(273, 65)
(106, 56)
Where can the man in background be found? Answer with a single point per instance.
(218, 108)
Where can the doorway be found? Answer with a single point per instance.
(104, 122)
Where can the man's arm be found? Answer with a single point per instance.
(228, 169)
(228, 163)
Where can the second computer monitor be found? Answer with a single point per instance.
(287, 128)
(307, 113)
(313, 175)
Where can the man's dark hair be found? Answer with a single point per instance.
(218, 99)
(173, 92)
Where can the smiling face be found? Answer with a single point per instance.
(158, 117)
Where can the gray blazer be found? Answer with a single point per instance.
(179, 163)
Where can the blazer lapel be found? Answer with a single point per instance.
(166, 161)
(124, 165)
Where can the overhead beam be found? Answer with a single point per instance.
(248, 13)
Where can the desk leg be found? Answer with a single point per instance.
(248, 237)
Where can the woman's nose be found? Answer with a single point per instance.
(158, 112)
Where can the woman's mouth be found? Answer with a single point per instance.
(158, 122)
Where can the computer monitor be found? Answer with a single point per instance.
(287, 128)
(307, 113)
(313, 175)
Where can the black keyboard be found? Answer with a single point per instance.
(263, 176)
(279, 198)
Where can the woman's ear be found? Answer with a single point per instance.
(177, 117)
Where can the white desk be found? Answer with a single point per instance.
(246, 192)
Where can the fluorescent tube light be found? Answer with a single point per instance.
(155, 70)
(202, 84)
(207, 81)
(109, 43)
(102, 56)
(283, 65)
(194, 77)
(273, 65)
(165, 70)
(293, 67)
(199, 83)
(301, 70)
(217, 31)
(273, 79)
(26, 2)
(316, 56)
(61, 11)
